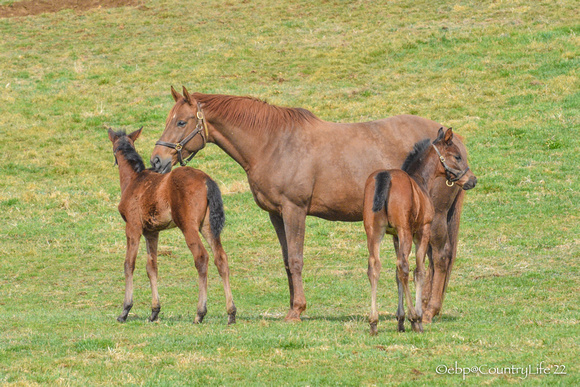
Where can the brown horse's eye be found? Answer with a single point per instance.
(181, 124)
(457, 158)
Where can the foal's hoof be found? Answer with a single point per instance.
(417, 326)
(231, 319)
(427, 317)
(154, 314)
(401, 325)
(122, 319)
(374, 329)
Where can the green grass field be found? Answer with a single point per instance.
(503, 74)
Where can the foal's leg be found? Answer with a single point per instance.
(221, 261)
(278, 224)
(440, 251)
(422, 246)
(400, 305)
(201, 258)
(294, 226)
(152, 240)
(405, 245)
(133, 235)
(375, 235)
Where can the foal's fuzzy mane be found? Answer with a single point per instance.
(418, 149)
(129, 153)
(252, 113)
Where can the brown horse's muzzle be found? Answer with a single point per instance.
(161, 165)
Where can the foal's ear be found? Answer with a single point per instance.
(176, 96)
(449, 136)
(440, 135)
(112, 135)
(133, 136)
(186, 95)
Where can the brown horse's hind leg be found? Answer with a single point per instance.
(133, 236)
(278, 224)
(221, 261)
(152, 271)
(201, 258)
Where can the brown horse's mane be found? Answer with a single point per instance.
(253, 113)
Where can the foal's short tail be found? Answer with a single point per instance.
(217, 216)
(382, 187)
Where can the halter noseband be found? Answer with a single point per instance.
(457, 173)
(200, 128)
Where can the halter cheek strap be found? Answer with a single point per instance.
(200, 128)
(455, 172)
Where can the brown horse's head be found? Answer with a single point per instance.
(453, 162)
(185, 133)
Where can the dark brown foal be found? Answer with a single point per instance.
(397, 202)
(150, 202)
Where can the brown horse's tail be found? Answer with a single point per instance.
(217, 216)
(382, 187)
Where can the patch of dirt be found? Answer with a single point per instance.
(36, 7)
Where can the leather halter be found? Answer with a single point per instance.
(455, 172)
(200, 128)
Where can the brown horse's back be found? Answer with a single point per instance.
(341, 167)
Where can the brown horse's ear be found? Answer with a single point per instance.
(112, 135)
(449, 136)
(186, 95)
(175, 94)
(135, 135)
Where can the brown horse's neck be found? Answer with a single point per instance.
(424, 169)
(247, 128)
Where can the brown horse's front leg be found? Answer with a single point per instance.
(133, 237)
(152, 271)
(294, 226)
(278, 224)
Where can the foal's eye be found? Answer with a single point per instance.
(457, 158)
(181, 124)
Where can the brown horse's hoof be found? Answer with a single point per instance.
(292, 316)
(231, 319)
(374, 330)
(427, 317)
(121, 319)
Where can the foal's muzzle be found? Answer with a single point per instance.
(470, 183)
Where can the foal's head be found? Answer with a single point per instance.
(185, 133)
(452, 163)
(124, 146)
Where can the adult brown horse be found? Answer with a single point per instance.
(299, 165)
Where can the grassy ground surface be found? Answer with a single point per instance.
(504, 74)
